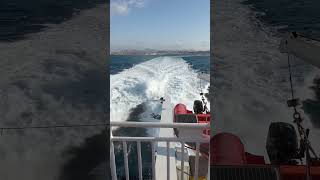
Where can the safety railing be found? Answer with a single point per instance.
(154, 141)
(247, 172)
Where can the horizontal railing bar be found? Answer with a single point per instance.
(247, 166)
(160, 125)
(152, 139)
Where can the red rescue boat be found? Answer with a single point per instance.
(228, 156)
(200, 114)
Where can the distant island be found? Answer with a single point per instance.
(160, 52)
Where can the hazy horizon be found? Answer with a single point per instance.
(149, 49)
(161, 25)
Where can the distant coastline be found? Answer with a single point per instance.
(160, 52)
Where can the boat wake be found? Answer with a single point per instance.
(135, 96)
(147, 82)
(251, 77)
(54, 77)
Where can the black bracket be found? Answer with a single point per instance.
(162, 100)
(293, 102)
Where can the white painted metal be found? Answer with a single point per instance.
(196, 169)
(113, 162)
(125, 156)
(162, 149)
(139, 159)
(161, 125)
(208, 175)
(303, 48)
(153, 141)
(163, 155)
(182, 156)
(182, 160)
(153, 160)
(158, 139)
(168, 160)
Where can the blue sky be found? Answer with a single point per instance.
(160, 24)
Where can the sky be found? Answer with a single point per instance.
(160, 24)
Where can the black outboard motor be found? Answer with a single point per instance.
(282, 143)
(197, 107)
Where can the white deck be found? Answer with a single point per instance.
(161, 158)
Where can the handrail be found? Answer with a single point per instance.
(160, 125)
(158, 139)
(153, 140)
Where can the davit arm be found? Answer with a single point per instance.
(305, 49)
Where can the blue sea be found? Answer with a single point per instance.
(121, 62)
(295, 15)
(19, 18)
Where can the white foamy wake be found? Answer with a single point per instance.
(159, 77)
(38, 154)
(251, 79)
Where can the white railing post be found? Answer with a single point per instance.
(113, 162)
(196, 169)
(182, 160)
(153, 141)
(153, 149)
(168, 160)
(125, 157)
(139, 159)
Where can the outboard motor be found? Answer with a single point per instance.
(282, 143)
(198, 107)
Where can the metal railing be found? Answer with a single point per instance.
(153, 141)
(247, 172)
